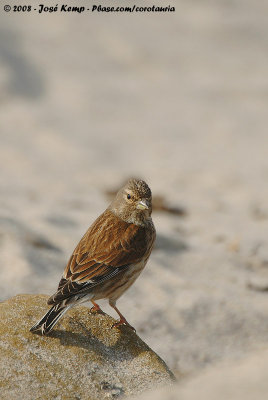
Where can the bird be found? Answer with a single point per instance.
(109, 257)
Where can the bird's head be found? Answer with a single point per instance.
(133, 202)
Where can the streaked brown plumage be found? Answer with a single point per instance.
(109, 257)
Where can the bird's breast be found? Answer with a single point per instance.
(114, 288)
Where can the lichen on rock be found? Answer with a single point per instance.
(82, 358)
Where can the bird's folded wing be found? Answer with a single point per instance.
(108, 247)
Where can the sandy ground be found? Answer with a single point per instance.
(178, 99)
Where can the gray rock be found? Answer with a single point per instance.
(83, 358)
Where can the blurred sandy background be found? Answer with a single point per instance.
(179, 99)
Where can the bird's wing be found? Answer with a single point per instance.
(109, 246)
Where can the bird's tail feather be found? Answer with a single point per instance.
(48, 321)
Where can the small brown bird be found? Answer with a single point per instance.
(109, 257)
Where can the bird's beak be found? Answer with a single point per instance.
(143, 205)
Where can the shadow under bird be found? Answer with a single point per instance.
(109, 257)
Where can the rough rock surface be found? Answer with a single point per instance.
(83, 358)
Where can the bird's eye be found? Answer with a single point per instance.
(128, 196)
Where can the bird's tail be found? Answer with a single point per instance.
(48, 321)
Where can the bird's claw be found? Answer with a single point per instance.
(96, 310)
(122, 322)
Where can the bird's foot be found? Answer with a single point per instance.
(96, 309)
(123, 321)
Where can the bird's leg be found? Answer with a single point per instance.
(122, 320)
(96, 308)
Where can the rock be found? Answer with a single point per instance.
(82, 358)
